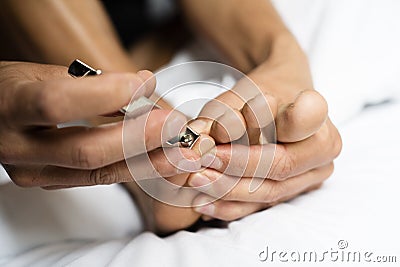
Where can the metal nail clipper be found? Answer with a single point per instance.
(136, 108)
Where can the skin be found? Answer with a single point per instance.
(260, 45)
(35, 98)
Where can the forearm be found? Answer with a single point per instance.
(242, 30)
(58, 31)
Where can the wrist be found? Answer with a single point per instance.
(261, 35)
(285, 67)
(259, 27)
(272, 46)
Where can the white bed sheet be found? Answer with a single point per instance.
(353, 64)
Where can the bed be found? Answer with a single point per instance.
(354, 54)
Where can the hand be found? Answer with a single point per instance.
(307, 144)
(35, 98)
(307, 140)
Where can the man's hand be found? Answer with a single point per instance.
(254, 39)
(300, 160)
(35, 98)
(307, 140)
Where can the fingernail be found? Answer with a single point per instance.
(206, 144)
(233, 124)
(261, 111)
(174, 125)
(185, 165)
(198, 180)
(201, 125)
(206, 210)
(211, 161)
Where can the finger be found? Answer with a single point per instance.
(260, 111)
(164, 163)
(34, 71)
(205, 144)
(222, 117)
(255, 108)
(269, 192)
(91, 148)
(259, 114)
(302, 118)
(228, 123)
(220, 120)
(53, 177)
(229, 127)
(280, 161)
(56, 177)
(55, 101)
(243, 91)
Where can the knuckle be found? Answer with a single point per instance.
(283, 165)
(103, 176)
(88, 156)
(47, 105)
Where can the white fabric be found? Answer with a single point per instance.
(353, 48)
(4, 178)
(354, 55)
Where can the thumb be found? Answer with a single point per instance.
(298, 120)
